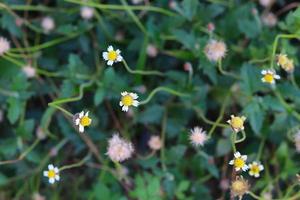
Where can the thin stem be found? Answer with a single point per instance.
(201, 115)
(157, 73)
(61, 109)
(23, 155)
(254, 195)
(261, 147)
(220, 117)
(242, 139)
(233, 138)
(163, 135)
(159, 89)
(78, 164)
(225, 72)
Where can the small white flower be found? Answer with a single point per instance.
(119, 149)
(112, 56)
(52, 174)
(269, 76)
(127, 100)
(239, 162)
(48, 24)
(82, 120)
(4, 45)
(197, 136)
(86, 12)
(255, 168)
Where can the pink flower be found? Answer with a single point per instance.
(86, 12)
(152, 51)
(29, 71)
(119, 149)
(155, 143)
(197, 136)
(4, 45)
(47, 24)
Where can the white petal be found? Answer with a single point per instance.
(45, 173)
(237, 154)
(231, 162)
(135, 103)
(50, 167)
(244, 157)
(57, 177)
(121, 103)
(245, 167)
(263, 72)
(110, 62)
(51, 180)
(118, 51)
(263, 80)
(119, 58)
(81, 114)
(87, 114)
(81, 128)
(56, 170)
(77, 121)
(125, 108)
(256, 175)
(251, 173)
(237, 169)
(110, 48)
(261, 167)
(277, 76)
(134, 95)
(105, 55)
(124, 93)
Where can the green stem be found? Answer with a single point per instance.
(233, 138)
(225, 72)
(159, 89)
(201, 115)
(121, 7)
(254, 195)
(157, 73)
(242, 139)
(78, 164)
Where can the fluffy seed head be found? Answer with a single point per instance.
(4, 45)
(119, 149)
(152, 51)
(29, 71)
(215, 50)
(197, 136)
(239, 187)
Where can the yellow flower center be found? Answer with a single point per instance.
(254, 169)
(239, 163)
(282, 59)
(127, 100)
(237, 122)
(269, 78)
(112, 55)
(51, 174)
(85, 121)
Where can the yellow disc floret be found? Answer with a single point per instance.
(112, 55)
(269, 78)
(85, 121)
(282, 59)
(239, 163)
(51, 174)
(237, 122)
(127, 100)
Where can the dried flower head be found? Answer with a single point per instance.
(197, 136)
(255, 168)
(237, 123)
(87, 12)
(155, 143)
(128, 100)
(112, 56)
(82, 120)
(297, 141)
(215, 50)
(269, 76)
(52, 174)
(281, 59)
(4, 45)
(119, 149)
(29, 71)
(239, 162)
(48, 24)
(288, 66)
(239, 187)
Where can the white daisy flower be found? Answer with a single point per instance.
(255, 168)
(112, 56)
(82, 120)
(239, 162)
(269, 76)
(52, 174)
(127, 100)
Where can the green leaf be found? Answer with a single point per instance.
(99, 96)
(14, 109)
(223, 147)
(254, 112)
